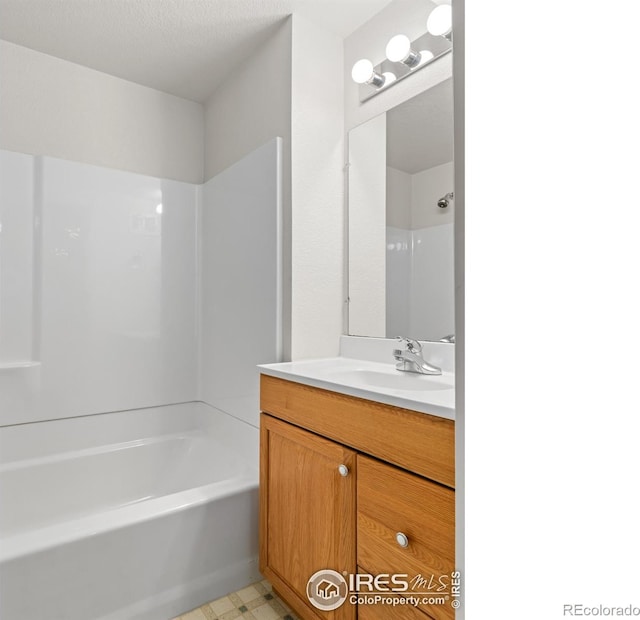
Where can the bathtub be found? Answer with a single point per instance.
(139, 514)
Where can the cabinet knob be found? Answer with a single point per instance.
(402, 540)
(344, 470)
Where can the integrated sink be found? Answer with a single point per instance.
(395, 380)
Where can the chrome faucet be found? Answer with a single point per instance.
(411, 360)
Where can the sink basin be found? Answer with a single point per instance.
(396, 380)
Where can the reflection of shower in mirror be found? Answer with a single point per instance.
(443, 203)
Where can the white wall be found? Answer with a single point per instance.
(61, 109)
(367, 222)
(98, 352)
(240, 300)
(275, 93)
(250, 108)
(398, 198)
(317, 191)
(292, 88)
(369, 41)
(113, 296)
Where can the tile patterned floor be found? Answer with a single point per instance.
(255, 602)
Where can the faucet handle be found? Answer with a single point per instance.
(413, 345)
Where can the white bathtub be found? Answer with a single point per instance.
(131, 515)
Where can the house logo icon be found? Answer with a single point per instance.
(327, 590)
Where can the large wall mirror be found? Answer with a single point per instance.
(401, 278)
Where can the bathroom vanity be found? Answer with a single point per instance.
(355, 485)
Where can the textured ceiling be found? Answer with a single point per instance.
(420, 131)
(183, 47)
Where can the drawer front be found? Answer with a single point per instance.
(416, 441)
(391, 502)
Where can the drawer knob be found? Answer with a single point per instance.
(402, 540)
(344, 470)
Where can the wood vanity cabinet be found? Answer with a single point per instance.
(308, 511)
(340, 478)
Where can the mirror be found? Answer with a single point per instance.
(401, 278)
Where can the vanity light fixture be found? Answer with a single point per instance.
(404, 56)
(439, 22)
(363, 73)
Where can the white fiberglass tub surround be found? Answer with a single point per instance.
(133, 293)
(130, 515)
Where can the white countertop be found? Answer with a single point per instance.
(374, 381)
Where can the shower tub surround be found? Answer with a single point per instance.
(129, 340)
(137, 514)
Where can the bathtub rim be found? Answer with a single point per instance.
(193, 416)
(46, 538)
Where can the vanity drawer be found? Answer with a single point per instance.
(416, 441)
(392, 501)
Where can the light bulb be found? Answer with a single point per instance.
(362, 71)
(425, 56)
(439, 21)
(388, 77)
(159, 209)
(398, 48)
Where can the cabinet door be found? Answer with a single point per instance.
(307, 512)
